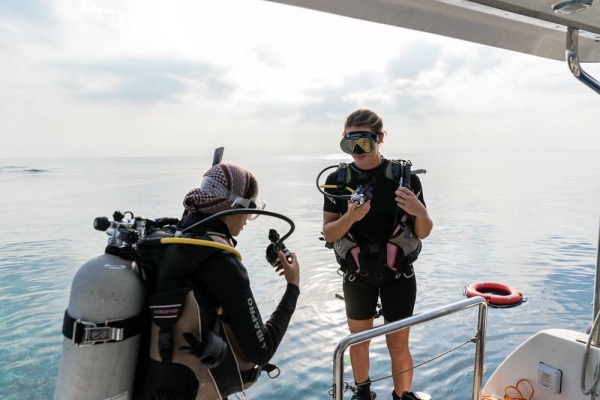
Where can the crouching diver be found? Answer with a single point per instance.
(208, 339)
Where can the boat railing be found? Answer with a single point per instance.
(359, 337)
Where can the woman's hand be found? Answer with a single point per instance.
(289, 268)
(410, 203)
(335, 227)
(356, 212)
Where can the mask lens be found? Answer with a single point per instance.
(367, 144)
(347, 145)
(259, 204)
(364, 141)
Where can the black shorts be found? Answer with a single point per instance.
(397, 295)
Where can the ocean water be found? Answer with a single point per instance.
(529, 220)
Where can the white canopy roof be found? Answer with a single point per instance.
(526, 26)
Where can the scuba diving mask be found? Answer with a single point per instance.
(358, 142)
(256, 204)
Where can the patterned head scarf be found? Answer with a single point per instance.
(220, 187)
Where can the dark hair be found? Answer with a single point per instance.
(365, 117)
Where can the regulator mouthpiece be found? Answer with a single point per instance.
(275, 247)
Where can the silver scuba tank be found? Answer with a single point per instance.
(102, 328)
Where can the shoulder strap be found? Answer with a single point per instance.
(399, 171)
(165, 310)
(393, 171)
(344, 176)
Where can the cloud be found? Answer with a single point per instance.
(142, 81)
(413, 61)
(162, 78)
(33, 10)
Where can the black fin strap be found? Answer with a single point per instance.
(88, 332)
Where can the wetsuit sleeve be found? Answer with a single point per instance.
(226, 280)
(329, 203)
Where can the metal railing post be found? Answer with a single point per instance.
(479, 352)
(596, 337)
(359, 337)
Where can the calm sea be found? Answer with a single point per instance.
(528, 220)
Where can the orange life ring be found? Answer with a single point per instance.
(509, 295)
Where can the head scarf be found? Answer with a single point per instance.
(220, 187)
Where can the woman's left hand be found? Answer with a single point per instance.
(407, 201)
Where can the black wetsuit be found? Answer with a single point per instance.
(218, 279)
(223, 280)
(361, 291)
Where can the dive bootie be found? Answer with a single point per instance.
(372, 396)
(411, 396)
(363, 391)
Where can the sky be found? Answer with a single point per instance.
(96, 78)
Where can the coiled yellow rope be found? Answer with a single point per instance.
(516, 393)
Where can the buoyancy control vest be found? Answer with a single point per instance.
(401, 250)
(191, 353)
(403, 246)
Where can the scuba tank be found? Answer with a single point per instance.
(103, 322)
(107, 321)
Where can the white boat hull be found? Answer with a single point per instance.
(557, 348)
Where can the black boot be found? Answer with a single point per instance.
(370, 396)
(363, 391)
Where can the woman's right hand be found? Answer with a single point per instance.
(356, 212)
(289, 268)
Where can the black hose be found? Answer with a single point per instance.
(335, 196)
(247, 211)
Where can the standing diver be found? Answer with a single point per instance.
(376, 239)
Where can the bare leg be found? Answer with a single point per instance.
(359, 353)
(397, 344)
